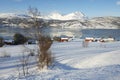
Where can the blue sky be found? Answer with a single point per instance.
(90, 8)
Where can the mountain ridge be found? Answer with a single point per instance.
(52, 16)
(76, 20)
(71, 16)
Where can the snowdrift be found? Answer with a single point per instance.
(99, 61)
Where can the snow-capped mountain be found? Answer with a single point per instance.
(94, 23)
(13, 15)
(76, 20)
(70, 16)
(51, 16)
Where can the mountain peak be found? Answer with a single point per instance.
(71, 16)
(52, 16)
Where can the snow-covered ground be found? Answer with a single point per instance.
(99, 61)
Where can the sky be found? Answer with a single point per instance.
(91, 8)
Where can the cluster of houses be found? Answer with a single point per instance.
(65, 39)
(87, 39)
(91, 39)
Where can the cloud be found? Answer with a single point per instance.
(118, 3)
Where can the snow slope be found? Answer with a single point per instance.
(100, 61)
(51, 16)
(70, 16)
(13, 15)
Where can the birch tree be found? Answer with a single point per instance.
(44, 43)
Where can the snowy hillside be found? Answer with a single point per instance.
(70, 16)
(94, 23)
(13, 15)
(51, 16)
(99, 61)
(75, 20)
(105, 22)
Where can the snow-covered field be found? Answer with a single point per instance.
(99, 61)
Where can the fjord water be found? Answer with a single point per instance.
(97, 33)
(115, 33)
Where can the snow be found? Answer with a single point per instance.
(54, 16)
(104, 59)
(13, 15)
(99, 61)
(70, 16)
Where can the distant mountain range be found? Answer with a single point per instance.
(71, 16)
(51, 16)
(94, 23)
(76, 20)
(13, 15)
(56, 24)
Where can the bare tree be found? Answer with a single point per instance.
(45, 58)
(23, 66)
(24, 62)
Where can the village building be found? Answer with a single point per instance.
(91, 39)
(107, 40)
(64, 39)
(9, 41)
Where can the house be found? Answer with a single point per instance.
(64, 39)
(89, 39)
(9, 42)
(107, 39)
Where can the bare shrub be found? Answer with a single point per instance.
(44, 43)
(23, 66)
(31, 52)
(1, 42)
(45, 58)
(85, 44)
